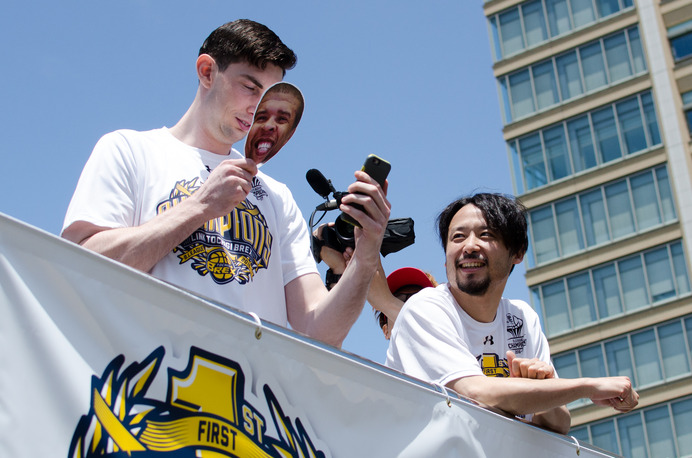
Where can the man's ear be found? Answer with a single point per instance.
(206, 67)
(518, 258)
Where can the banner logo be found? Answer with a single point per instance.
(205, 414)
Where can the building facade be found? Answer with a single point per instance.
(596, 98)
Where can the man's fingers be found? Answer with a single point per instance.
(528, 368)
(510, 363)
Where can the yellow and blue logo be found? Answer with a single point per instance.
(230, 248)
(204, 415)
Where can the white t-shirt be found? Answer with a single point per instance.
(243, 259)
(435, 340)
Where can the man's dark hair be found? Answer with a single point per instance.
(504, 215)
(248, 41)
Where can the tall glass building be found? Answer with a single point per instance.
(596, 98)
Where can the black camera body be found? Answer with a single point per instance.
(398, 234)
(339, 236)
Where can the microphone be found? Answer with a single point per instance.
(319, 183)
(328, 205)
(332, 204)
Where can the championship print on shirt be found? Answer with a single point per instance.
(494, 365)
(515, 331)
(229, 248)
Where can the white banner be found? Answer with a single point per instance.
(101, 360)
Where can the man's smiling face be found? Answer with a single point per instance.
(476, 257)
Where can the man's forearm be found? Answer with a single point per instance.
(381, 298)
(336, 312)
(143, 246)
(522, 396)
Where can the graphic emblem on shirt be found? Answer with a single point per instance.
(493, 365)
(515, 329)
(257, 189)
(233, 247)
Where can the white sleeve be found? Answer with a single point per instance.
(542, 347)
(296, 256)
(539, 343)
(107, 188)
(427, 342)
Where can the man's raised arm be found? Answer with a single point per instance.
(328, 316)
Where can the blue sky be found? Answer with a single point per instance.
(409, 81)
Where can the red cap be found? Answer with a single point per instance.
(407, 276)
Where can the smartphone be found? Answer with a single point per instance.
(378, 169)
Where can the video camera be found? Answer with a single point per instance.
(398, 235)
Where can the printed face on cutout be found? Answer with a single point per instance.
(275, 121)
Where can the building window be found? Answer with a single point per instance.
(582, 143)
(680, 37)
(660, 430)
(604, 435)
(535, 22)
(614, 289)
(649, 357)
(610, 212)
(687, 108)
(579, 71)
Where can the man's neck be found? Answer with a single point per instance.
(482, 308)
(191, 131)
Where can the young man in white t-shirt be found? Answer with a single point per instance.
(185, 206)
(466, 336)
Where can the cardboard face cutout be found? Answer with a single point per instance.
(276, 118)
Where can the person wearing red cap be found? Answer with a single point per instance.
(401, 285)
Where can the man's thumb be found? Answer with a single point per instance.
(510, 360)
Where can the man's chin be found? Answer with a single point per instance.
(478, 288)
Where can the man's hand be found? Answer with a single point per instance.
(143, 246)
(334, 259)
(615, 392)
(529, 368)
(227, 185)
(556, 418)
(373, 218)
